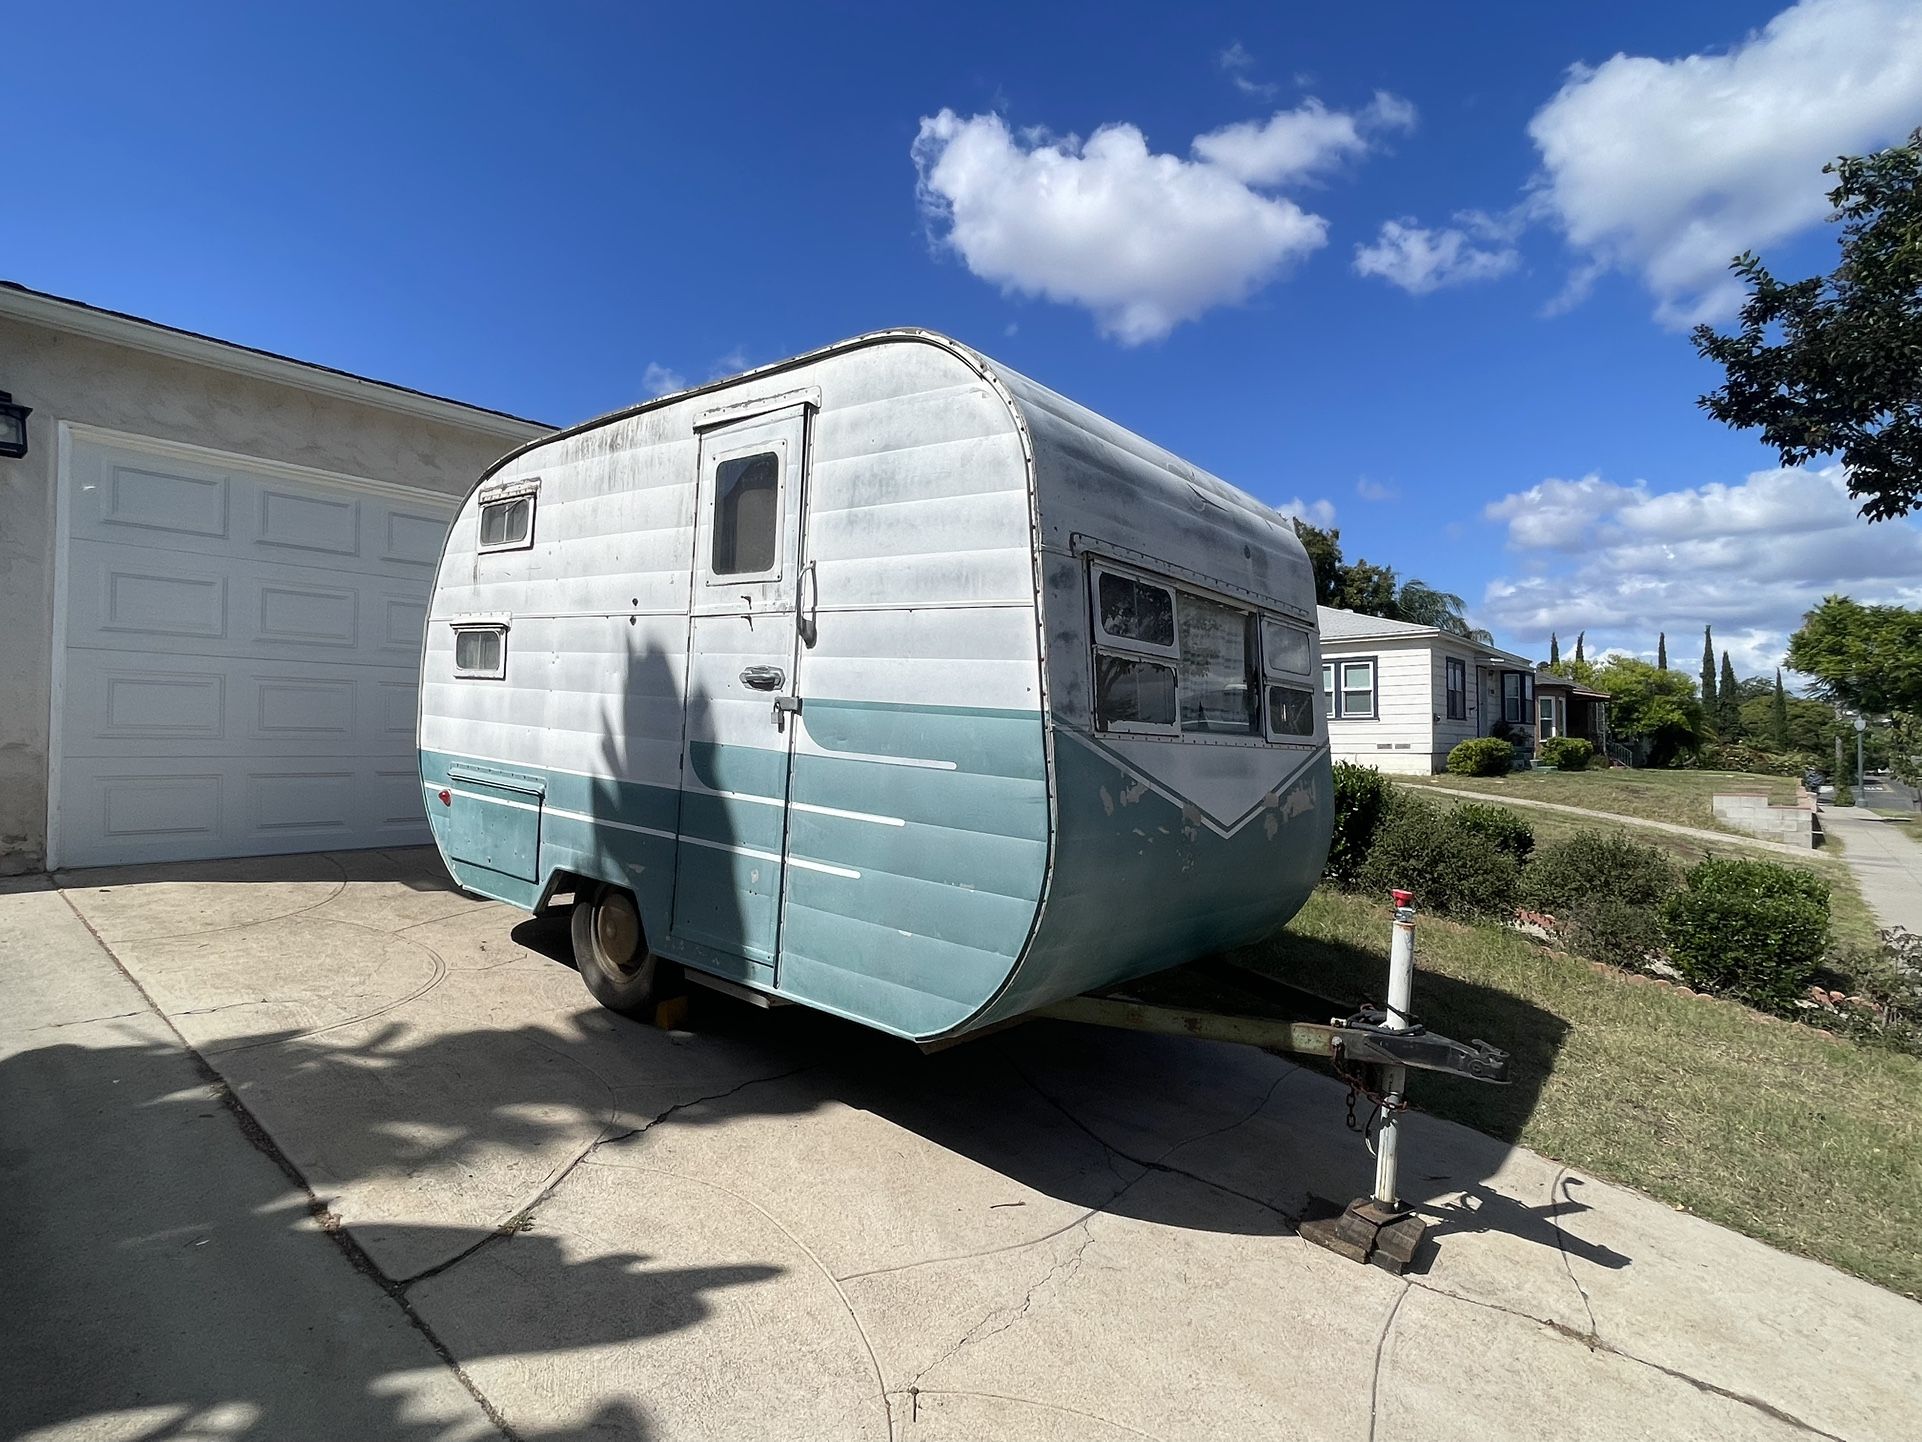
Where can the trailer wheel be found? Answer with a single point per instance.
(610, 952)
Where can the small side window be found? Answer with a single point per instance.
(1135, 612)
(1132, 694)
(746, 508)
(480, 652)
(507, 524)
(1291, 711)
(1328, 687)
(1286, 650)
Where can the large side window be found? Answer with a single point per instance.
(1457, 688)
(747, 492)
(1220, 693)
(1287, 653)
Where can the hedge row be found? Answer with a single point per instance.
(1751, 930)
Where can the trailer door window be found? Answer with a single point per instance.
(746, 509)
(1220, 693)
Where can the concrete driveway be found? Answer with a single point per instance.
(319, 1148)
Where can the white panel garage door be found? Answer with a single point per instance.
(239, 660)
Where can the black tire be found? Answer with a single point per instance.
(610, 952)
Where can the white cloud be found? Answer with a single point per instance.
(1143, 240)
(658, 380)
(1236, 61)
(1420, 260)
(1666, 169)
(1749, 558)
(1315, 513)
(1375, 490)
(1292, 145)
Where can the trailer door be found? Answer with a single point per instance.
(740, 689)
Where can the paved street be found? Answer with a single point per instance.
(317, 1148)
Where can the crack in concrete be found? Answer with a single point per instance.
(522, 1218)
(918, 1392)
(330, 1225)
(1556, 1191)
(1594, 1342)
(1057, 1272)
(1381, 1349)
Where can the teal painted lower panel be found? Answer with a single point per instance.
(924, 879)
(1141, 888)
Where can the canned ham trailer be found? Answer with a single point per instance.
(888, 682)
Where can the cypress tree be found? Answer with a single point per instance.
(1554, 651)
(1578, 644)
(1708, 675)
(1661, 651)
(1779, 714)
(1730, 702)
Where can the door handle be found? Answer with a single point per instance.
(763, 678)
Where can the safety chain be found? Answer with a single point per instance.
(1358, 1087)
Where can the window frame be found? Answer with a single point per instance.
(506, 494)
(1135, 728)
(1455, 688)
(1271, 674)
(1337, 706)
(1524, 698)
(1106, 640)
(709, 529)
(496, 628)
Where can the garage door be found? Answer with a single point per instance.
(238, 655)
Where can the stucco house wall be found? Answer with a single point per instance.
(392, 435)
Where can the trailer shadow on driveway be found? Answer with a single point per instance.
(762, 1223)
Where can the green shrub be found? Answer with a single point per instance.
(1483, 756)
(1453, 869)
(1745, 756)
(1500, 825)
(1567, 753)
(1562, 875)
(1844, 796)
(1604, 892)
(1620, 933)
(1749, 929)
(1362, 797)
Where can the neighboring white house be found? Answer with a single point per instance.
(214, 565)
(1399, 696)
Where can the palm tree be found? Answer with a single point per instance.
(1421, 603)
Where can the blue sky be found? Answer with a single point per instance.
(1172, 214)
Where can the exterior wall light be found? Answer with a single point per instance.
(13, 426)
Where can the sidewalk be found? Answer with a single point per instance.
(1694, 833)
(1887, 864)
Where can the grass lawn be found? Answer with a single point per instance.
(1811, 1144)
(1680, 797)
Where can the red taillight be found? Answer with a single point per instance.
(446, 797)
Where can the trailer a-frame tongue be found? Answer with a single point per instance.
(1373, 1050)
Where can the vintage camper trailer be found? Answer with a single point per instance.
(882, 680)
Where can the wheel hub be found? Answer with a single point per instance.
(617, 936)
